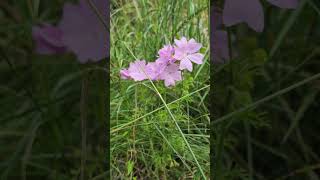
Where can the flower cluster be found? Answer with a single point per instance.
(171, 60)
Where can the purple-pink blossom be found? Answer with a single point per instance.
(172, 59)
(166, 54)
(187, 52)
(137, 70)
(155, 69)
(171, 74)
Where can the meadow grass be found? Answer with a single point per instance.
(158, 132)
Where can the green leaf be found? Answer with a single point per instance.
(130, 165)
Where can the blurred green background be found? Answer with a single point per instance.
(40, 131)
(266, 100)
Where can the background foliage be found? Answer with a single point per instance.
(267, 120)
(40, 131)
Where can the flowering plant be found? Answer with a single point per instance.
(171, 60)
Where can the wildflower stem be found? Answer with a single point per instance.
(172, 117)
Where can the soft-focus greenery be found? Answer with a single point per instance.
(145, 142)
(267, 124)
(40, 131)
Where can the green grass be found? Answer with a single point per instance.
(158, 132)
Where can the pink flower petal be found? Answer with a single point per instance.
(181, 43)
(170, 75)
(186, 64)
(154, 69)
(169, 82)
(137, 70)
(166, 54)
(196, 58)
(179, 54)
(124, 73)
(193, 46)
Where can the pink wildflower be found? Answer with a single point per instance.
(137, 70)
(187, 52)
(166, 67)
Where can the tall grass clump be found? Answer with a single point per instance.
(158, 132)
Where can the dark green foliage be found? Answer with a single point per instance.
(266, 124)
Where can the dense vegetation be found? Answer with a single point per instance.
(145, 141)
